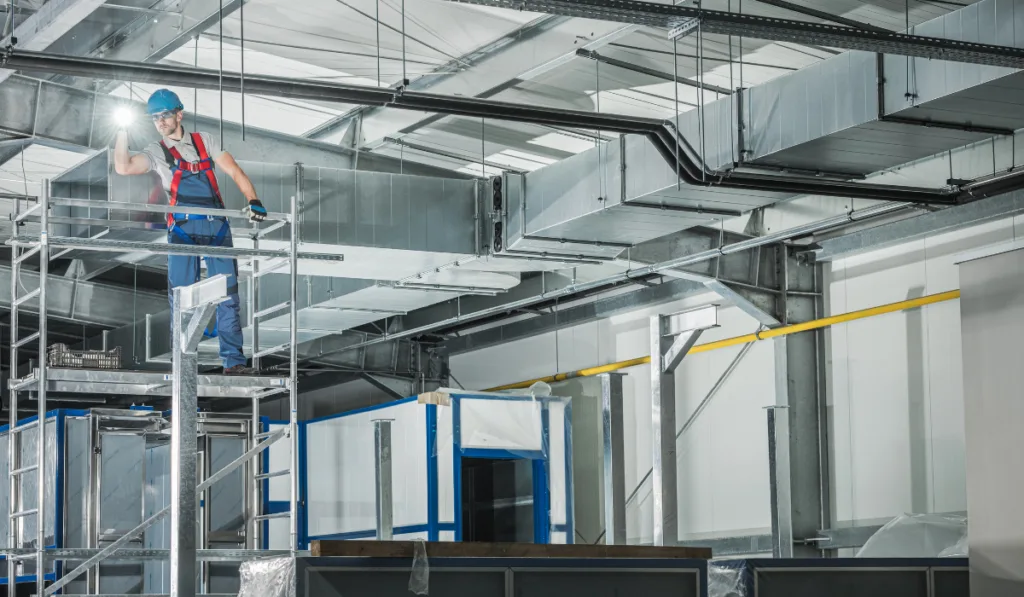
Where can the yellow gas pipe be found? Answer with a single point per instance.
(745, 339)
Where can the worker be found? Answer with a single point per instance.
(185, 164)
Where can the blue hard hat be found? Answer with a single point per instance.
(163, 100)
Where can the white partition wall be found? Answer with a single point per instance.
(340, 483)
(428, 443)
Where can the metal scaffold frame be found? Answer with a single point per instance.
(194, 305)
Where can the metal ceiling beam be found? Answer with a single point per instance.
(825, 16)
(657, 74)
(918, 227)
(668, 16)
(150, 41)
(10, 149)
(47, 25)
(538, 47)
(447, 153)
(71, 118)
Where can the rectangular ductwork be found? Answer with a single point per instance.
(600, 202)
(860, 112)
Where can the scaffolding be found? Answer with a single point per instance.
(193, 306)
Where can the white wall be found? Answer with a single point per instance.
(723, 459)
(895, 381)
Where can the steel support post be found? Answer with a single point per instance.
(779, 480)
(382, 469)
(614, 479)
(672, 336)
(293, 363)
(44, 271)
(800, 469)
(255, 506)
(193, 307)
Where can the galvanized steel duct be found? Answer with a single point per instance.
(660, 133)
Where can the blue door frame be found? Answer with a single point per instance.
(542, 527)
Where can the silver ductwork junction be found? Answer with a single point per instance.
(598, 203)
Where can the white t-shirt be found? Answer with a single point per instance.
(158, 161)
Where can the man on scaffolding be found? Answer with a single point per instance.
(185, 165)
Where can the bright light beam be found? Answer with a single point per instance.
(124, 117)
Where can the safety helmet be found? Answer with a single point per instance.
(163, 100)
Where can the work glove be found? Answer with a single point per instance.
(257, 213)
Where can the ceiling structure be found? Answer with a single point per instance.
(454, 49)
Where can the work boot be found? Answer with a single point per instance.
(239, 370)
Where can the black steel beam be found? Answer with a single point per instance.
(668, 16)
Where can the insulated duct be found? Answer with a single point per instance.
(661, 134)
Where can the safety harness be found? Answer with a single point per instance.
(179, 166)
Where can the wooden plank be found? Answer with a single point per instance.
(448, 549)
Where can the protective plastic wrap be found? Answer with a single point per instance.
(726, 580)
(419, 579)
(495, 424)
(270, 577)
(917, 536)
(957, 550)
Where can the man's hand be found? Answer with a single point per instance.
(257, 213)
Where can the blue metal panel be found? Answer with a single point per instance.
(59, 489)
(570, 533)
(457, 465)
(303, 511)
(433, 533)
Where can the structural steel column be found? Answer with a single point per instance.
(672, 336)
(382, 469)
(801, 465)
(614, 479)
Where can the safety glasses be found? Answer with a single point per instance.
(163, 115)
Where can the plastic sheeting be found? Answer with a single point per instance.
(496, 424)
(419, 579)
(270, 577)
(725, 580)
(918, 536)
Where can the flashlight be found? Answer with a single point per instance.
(124, 117)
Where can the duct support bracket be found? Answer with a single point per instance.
(672, 336)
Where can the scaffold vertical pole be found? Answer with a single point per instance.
(12, 406)
(293, 410)
(255, 466)
(44, 270)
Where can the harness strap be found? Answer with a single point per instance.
(176, 164)
(181, 234)
(204, 158)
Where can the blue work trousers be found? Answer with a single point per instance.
(183, 270)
